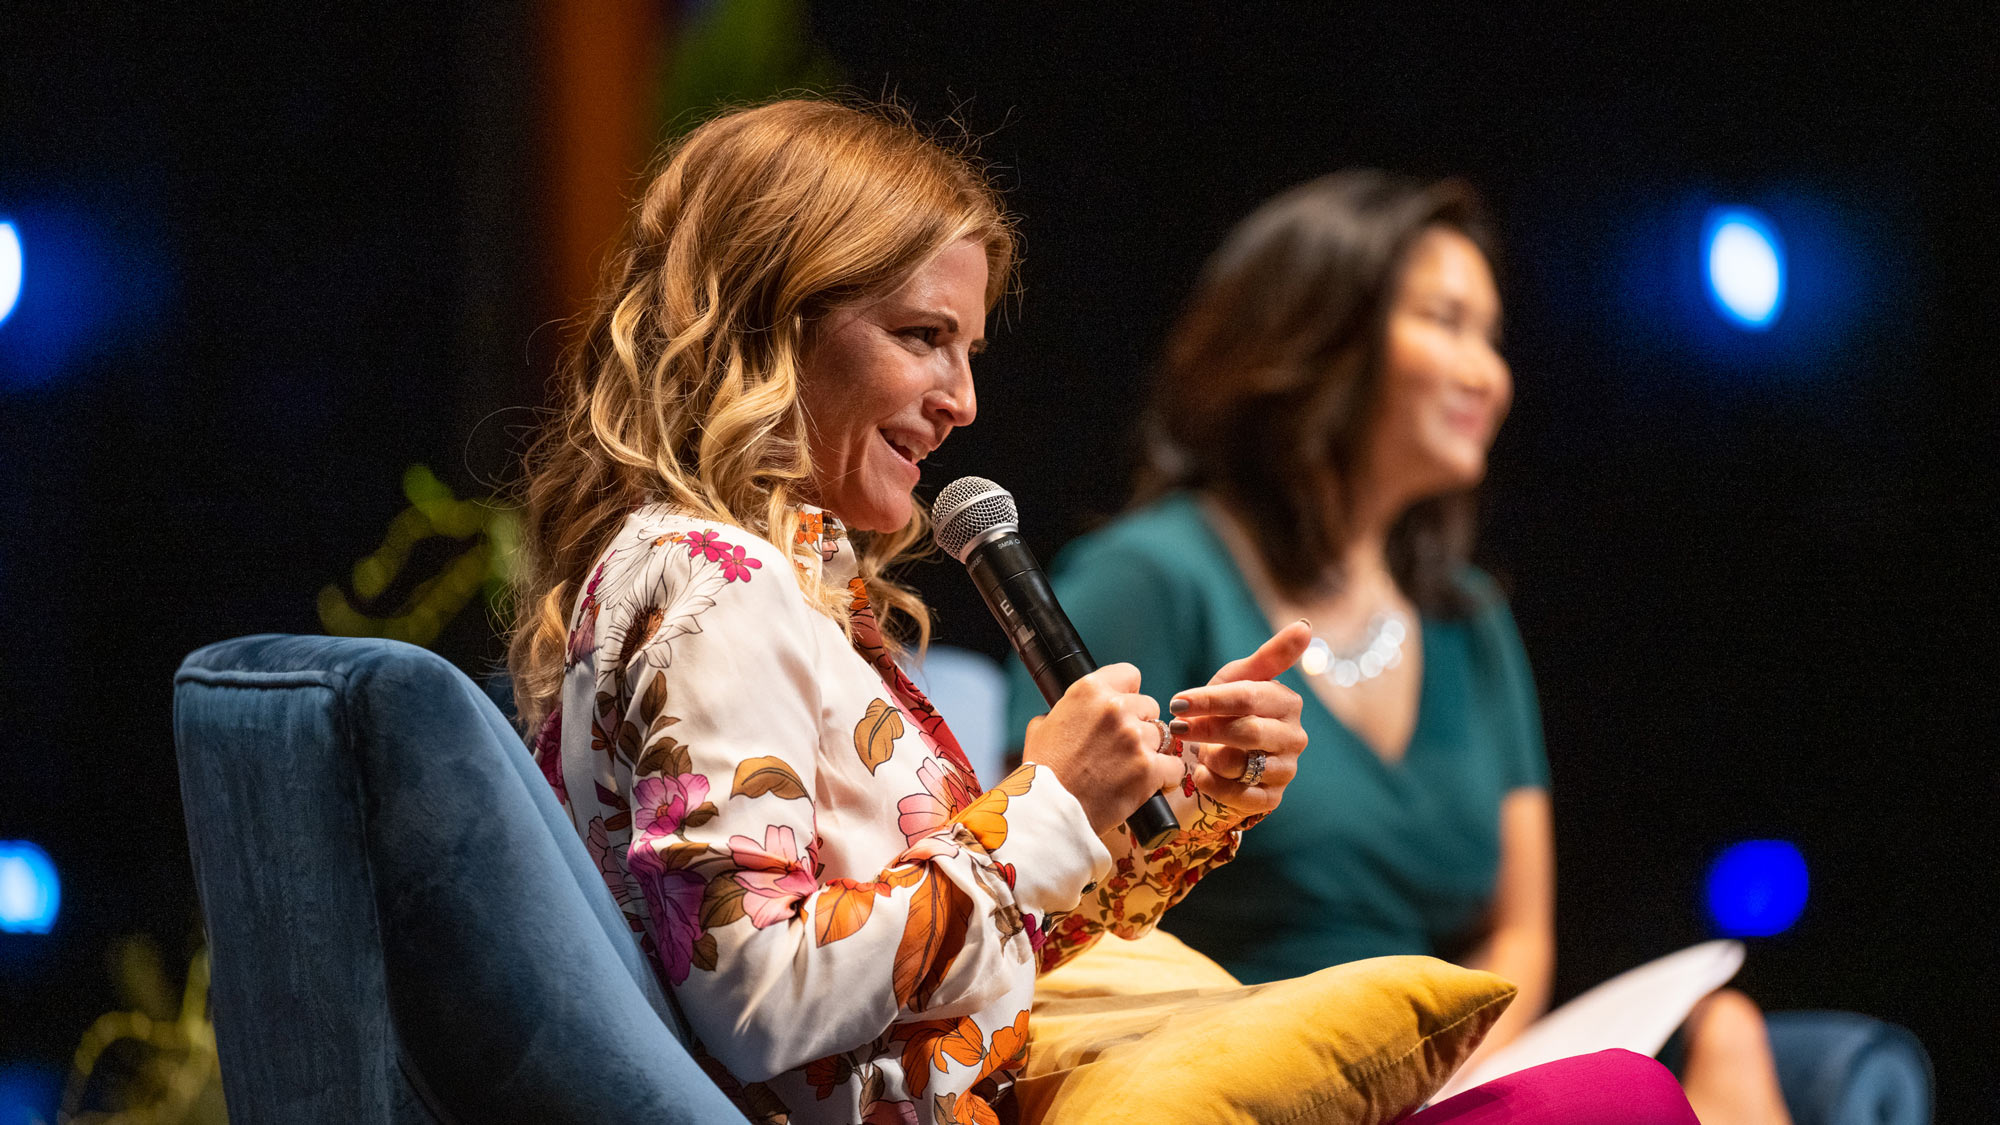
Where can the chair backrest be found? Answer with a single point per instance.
(1844, 1068)
(404, 926)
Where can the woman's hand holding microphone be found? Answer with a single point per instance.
(1106, 742)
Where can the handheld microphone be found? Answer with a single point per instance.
(975, 522)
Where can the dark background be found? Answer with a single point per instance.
(273, 260)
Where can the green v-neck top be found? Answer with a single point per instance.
(1364, 857)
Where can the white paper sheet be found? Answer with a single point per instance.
(1636, 1010)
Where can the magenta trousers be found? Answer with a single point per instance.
(1607, 1088)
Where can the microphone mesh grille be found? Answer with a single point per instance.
(968, 508)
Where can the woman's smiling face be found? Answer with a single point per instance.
(1445, 387)
(885, 383)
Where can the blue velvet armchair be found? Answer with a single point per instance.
(404, 926)
(1844, 1068)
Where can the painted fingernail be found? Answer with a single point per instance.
(1180, 726)
(1179, 706)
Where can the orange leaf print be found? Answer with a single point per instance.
(758, 776)
(844, 906)
(932, 938)
(908, 875)
(1018, 782)
(986, 818)
(1010, 1046)
(973, 1110)
(963, 1044)
(917, 1051)
(876, 734)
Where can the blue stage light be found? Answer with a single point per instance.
(10, 269)
(1757, 888)
(30, 894)
(1746, 267)
(29, 1094)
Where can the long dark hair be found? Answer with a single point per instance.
(1270, 378)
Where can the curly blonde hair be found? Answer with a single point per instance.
(685, 385)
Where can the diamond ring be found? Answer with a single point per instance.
(1253, 768)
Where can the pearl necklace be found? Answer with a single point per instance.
(1382, 651)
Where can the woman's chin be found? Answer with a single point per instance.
(1459, 467)
(1443, 478)
(880, 514)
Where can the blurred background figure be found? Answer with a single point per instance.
(1322, 419)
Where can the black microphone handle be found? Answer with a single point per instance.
(1018, 593)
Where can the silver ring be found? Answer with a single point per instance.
(1253, 768)
(1166, 737)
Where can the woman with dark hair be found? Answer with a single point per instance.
(1319, 427)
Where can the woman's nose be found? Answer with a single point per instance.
(957, 400)
(1485, 373)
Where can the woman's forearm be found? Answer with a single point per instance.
(1526, 956)
(1522, 943)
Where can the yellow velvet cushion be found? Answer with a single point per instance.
(1152, 1031)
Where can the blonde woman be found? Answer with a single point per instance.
(850, 921)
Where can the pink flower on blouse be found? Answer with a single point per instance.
(674, 899)
(660, 804)
(775, 874)
(736, 568)
(704, 543)
(946, 793)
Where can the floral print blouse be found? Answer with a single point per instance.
(850, 922)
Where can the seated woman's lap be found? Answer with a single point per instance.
(1606, 1088)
